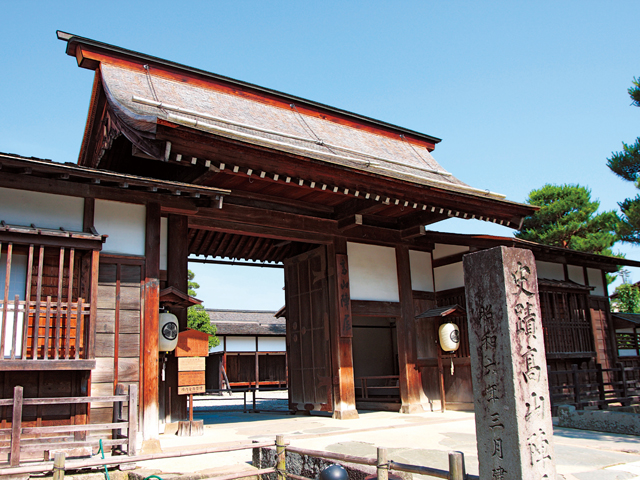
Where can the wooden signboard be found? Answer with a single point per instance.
(190, 378)
(191, 389)
(191, 364)
(192, 343)
(193, 347)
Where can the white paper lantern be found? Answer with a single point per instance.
(168, 338)
(449, 334)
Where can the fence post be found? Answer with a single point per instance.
(456, 466)
(600, 380)
(16, 426)
(132, 429)
(58, 466)
(383, 464)
(116, 433)
(281, 458)
(576, 386)
(254, 399)
(623, 378)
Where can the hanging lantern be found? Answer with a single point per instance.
(168, 338)
(449, 334)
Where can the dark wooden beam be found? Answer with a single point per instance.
(420, 217)
(238, 153)
(412, 232)
(90, 190)
(368, 308)
(448, 260)
(259, 230)
(88, 215)
(355, 206)
(349, 222)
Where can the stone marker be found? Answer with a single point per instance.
(508, 366)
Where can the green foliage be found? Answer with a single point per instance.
(568, 219)
(197, 317)
(626, 164)
(628, 298)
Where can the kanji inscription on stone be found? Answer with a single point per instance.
(508, 365)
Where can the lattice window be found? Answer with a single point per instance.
(566, 322)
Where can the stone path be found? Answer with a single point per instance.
(422, 439)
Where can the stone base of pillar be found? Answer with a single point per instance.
(412, 408)
(345, 414)
(150, 446)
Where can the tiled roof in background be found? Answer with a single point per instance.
(247, 322)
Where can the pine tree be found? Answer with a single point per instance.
(197, 317)
(627, 298)
(626, 164)
(567, 218)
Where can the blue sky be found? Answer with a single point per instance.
(522, 93)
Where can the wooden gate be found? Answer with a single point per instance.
(308, 341)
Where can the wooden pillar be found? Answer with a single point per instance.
(177, 264)
(150, 371)
(257, 366)
(177, 276)
(88, 214)
(344, 395)
(410, 381)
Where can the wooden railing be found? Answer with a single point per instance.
(18, 439)
(276, 464)
(594, 387)
(381, 383)
(44, 330)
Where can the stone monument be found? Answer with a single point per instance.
(508, 366)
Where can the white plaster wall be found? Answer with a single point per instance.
(164, 242)
(372, 272)
(125, 225)
(550, 271)
(595, 280)
(441, 250)
(272, 344)
(218, 348)
(44, 210)
(421, 277)
(449, 276)
(576, 274)
(241, 344)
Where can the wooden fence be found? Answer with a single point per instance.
(457, 470)
(596, 387)
(41, 439)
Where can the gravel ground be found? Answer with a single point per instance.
(269, 400)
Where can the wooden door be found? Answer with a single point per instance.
(118, 329)
(308, 341)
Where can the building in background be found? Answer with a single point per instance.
(252, 350)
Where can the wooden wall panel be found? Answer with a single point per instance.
(104, 371)
(105, 345)
(129, 321)
(128, 370)
(128, 345)
(106, 321)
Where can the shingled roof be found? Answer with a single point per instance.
(143, 97)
